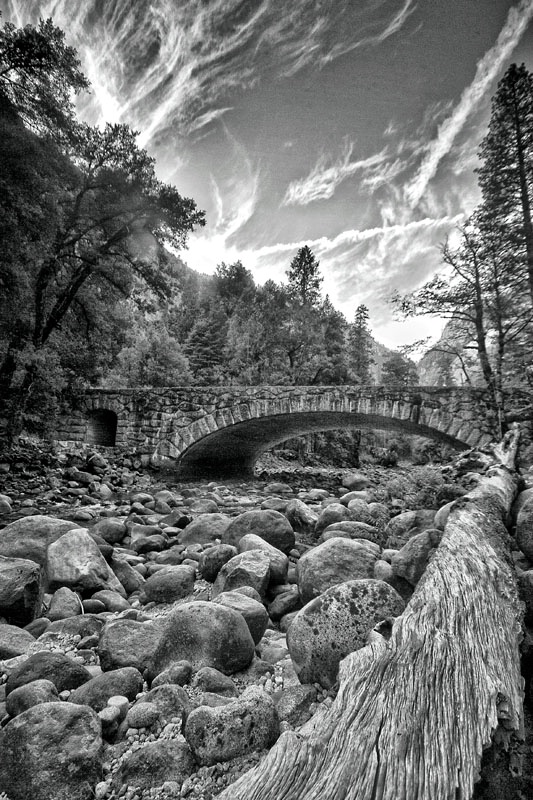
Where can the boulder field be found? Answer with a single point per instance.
(156, 640)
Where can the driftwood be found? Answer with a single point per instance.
(415, 711)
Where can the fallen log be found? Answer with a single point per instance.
(415, 711)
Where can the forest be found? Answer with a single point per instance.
(93, 291)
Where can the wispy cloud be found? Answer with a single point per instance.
(327, 174)
(161, 63)
(487, 70)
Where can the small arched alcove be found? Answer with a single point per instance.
(102, 427)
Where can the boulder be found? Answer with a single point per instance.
(128, 643)
(208, 679)
(170, 583)
(334, 512)
(74, 560)
(126, 681)
(251, 568)
(354, 481)
(21, 589)
(335, 561)
(111, 529)
(130, 578)
(213, 559)
(337, 623)
(206, 635)
(270, 525)
(112, 601)
(205, 529)
(29, 537)
(247, 723)
(171, 701)
(254, 613)
(14, 641)
(31, 694)
(407, 524)
(58, 668)
(64, 603)
(525, 587)
(300, 516)
(177, 674)
(155, 763)
(279, 562)
(52, 751)
(411, 560)
(352, 530)
(524, 528)
(285, 603)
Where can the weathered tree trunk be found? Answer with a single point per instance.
(414, 713)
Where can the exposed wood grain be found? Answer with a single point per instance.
(414, 713)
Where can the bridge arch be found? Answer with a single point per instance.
(227, 441)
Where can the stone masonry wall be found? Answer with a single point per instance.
(168, 420)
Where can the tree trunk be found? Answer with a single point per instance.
(414, 712)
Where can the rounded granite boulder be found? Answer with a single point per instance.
(337, 623)
(206, 635)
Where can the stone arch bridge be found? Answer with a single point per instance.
(221, 431)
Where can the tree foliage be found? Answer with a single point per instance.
(361, 346)
(82, 212)
(304, 278)
(506, 174)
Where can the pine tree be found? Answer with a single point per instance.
(304, 277)
(360, 346)
(506, 175)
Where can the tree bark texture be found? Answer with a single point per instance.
(415, 712)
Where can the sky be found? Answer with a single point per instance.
(350, 126)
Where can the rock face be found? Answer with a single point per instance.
(21, 590)
(206, 635)
(337, 623)
(74, 560)
(270, 525)
(335, 561)
(218, 734)
(52, 750)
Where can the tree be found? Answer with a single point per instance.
(399, 371)
(234, 285)
(304, 278)
(482, 294)
(153, 358)
(205, 346)
(360, 344)
(334, 369)
(506, 174)
(39, 74)
(113, 218)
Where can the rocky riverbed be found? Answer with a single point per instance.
(156, 637)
